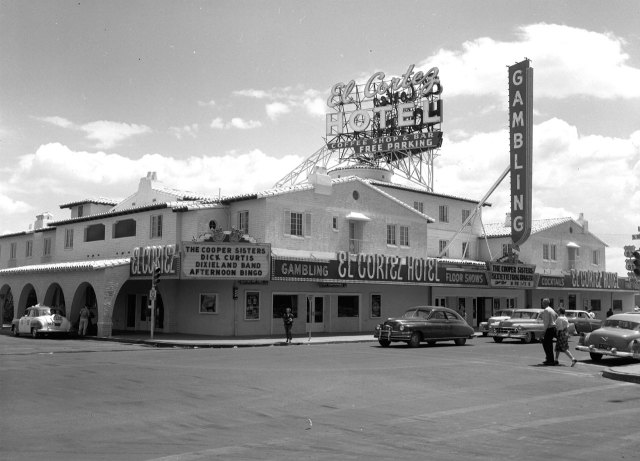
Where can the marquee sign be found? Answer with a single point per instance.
(511, 275)
(520, 148)
(584, 279)
(143, 260)
(204, 260)
(380, 112)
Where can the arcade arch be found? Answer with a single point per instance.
(54, 297)
(28, 297)
(6, 303)
(85, 295)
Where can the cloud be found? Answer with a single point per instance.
(10, 206)
(209, 103)
(275, 109)
(236, 122)
(288, 99)
(187, 130)
(107, 133)
(567, 61)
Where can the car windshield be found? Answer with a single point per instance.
(524, 315)
(571, 314)
(506, 313)
(623, 324)
(417, 313)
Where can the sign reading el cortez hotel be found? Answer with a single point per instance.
(520, 148)
(230, 261)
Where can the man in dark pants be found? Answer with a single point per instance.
(288, 323)
(549, 317)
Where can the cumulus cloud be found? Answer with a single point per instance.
(9, 205)
(236, 122)
(209, 103)
(287, 99)
(186, 130)
(107, 134)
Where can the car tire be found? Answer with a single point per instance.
(384, 342)
(528, 338)
(414, 341)
(15, 331)
(460, 341)
(34, 333)
(497, 339)
(595, 356)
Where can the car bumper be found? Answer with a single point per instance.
(392, 335)
(609, 352)
(521, 334)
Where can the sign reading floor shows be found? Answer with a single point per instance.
(236, 261)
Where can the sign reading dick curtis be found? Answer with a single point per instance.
(229, 261)
(520, 148)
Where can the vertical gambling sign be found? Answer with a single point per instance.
(520, 149)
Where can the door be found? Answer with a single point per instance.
(315, 313)
(144, 324)
(131, 312)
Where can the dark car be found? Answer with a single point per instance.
(424, 323)
(583, 322)
(618, 337)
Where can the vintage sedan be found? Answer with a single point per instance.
(41, 320)
(618, 337)
(524, 324)
(424, 323)
(583, 322)
(494, 320)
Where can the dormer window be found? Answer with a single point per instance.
(80, 211)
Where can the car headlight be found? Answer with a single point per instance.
(634, 345)
(583, 339)
(401, 328)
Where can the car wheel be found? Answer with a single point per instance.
(460, 341)
(384, 342)
(15, 331)
(595, 357)
(528, 338)
(34, 332)
(497, 339)
(414, 341)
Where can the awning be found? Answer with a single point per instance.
(572, 245)
(355, 216)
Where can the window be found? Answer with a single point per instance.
(507, 249)
(465, 215)
(404, 236)
(212, 225)
(465, 250)
(553, 252)
(444, 213)
(442, 244)
(46, 251)
(208, 303)
(545, 251)
(252, 305)
(440, 302)
(549, 251)
(335, 223)
(80, 211)
(419, 206)
(94, 232)
(348, 306)
(243, 221)
(280, 304)
(391, 234)
(125, 228)
(156, 226)
(376, 306)
(68, 238)
(297, 223)
(29, 248)
(12, 252)
(596, 257)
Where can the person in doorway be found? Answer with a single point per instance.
(84, 321)
(287, 318)
(549, 317)
(562, 337)
(609, 312)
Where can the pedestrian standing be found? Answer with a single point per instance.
(609, 312)
(288, 323)
(562, 337)
(549, 320)
(84, 321)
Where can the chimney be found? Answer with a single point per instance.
(584, 223)
(147, 182)
(507, 220)
(320, 180)
(42, 220)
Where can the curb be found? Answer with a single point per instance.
(621, 376)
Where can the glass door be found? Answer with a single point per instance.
(315, 313)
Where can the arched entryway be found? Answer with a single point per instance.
(85, 295)
(131, 309)
(55, 297)
(28, 297)
(6, 303)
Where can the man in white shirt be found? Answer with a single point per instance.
(549, 317)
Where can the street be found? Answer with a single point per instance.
(101, 400)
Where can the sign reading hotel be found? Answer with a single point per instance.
(144, 259)
(230, 261)
(511, 275)
(520, 149)
(386, 115)
(583, 279)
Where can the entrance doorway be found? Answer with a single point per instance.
(315, 314)
(484, 310)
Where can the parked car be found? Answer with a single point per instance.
(583, 322)
(41, 320)
(524, 324)
(424, 323)
(494, 320)
(618, 337)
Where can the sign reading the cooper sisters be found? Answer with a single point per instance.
(511, 275)
(520, 148)
(204, 260)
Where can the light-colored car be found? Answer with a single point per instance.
(424, 323)
(618, 337)
(524, 324)
(494, 320)
(583, 322)
(41, 320)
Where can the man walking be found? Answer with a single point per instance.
(549, 317)
(84, 321)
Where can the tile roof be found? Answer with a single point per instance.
(537, 225)
(99, 201)
(94, 264)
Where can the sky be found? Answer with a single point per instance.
(228, 97)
